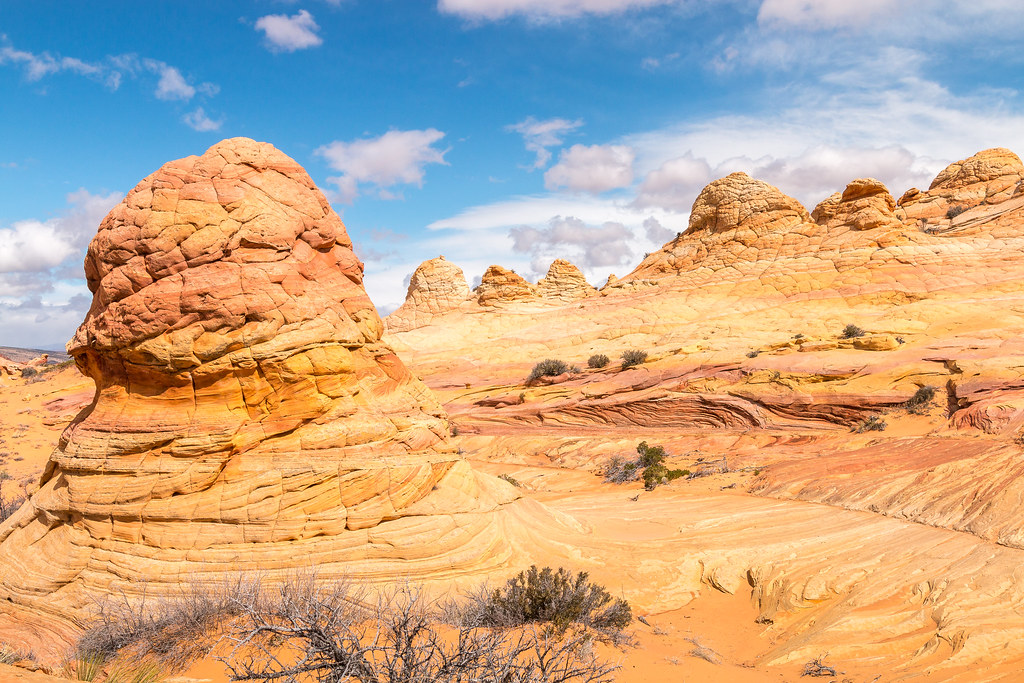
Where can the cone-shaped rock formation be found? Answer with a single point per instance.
(247, 414)
(435, 288)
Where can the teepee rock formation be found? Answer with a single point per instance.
(564, 282)
(247, 414)
(436, 287)
(502, 286)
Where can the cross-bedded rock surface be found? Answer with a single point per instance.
(866, 356)
(247, 415)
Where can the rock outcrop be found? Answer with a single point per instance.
(990, 177)
(436, 287)
(865, 204)
(247, 414)
(564, 282)
(501, 286)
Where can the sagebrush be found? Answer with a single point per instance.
(548, 368)
(633, 357)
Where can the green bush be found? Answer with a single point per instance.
(657, 474)
(29, 372)
(512, 480)
(851, 331)
(921, 398)
(548, 368)
(598, 360)
(633, 357)
(650, 455)
(557, 597)
(954, 211)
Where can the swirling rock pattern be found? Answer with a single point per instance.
(247, 414)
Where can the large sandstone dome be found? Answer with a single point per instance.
(247, 414)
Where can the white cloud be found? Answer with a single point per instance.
(588, 246)
(37, 66)
(883, 122)
(541, 9)
(198, 120)
(172, 85)
(826, 13)
(595, 168)
(398, 157)
(538, 210)
(288, 34)
(539, 135)
(43, 296)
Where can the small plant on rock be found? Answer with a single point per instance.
(598, 360)
(512, 480)
(753, 354)
(547, 368)
(851, 331)
(633, 357)
(954, 211)
(918, 403)
(871, 424)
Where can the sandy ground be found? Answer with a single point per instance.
(33, 413)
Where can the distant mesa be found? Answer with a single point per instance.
(247, 414)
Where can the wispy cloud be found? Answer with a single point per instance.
(398, 157)
(285, 33)
(539, 135)
(198, 120)
(541, 9)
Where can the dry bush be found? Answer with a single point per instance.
(597, 361)
(172, 629)
(633, 357)
(8, 506)
(552, 596)
(547, 368)
(703, 652)
(320, 631)
(918, 403)
(818, 667)
(871, 424)
(621, 471)
(851, 331)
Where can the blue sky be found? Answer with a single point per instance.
(492, 131)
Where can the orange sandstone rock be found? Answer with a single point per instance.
(247, 414)
(500, 285)
(564, 282)
(436, 287)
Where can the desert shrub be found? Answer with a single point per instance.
(85, 666)
(650, 455)
(633, 357)
(512, 480)
(29, 372)
(554, 596)
(547, 368)
(8, 506)
(658, 474)
(648, 466)
(851, 331)
(172, 629)
(921, 398)
(620, 471)
(817, 667)
(135, 672)
(598, 360)
(954, 211)
(333, 632)
(753, 354)
(11, 655)
(871, 424)
(575, 370)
